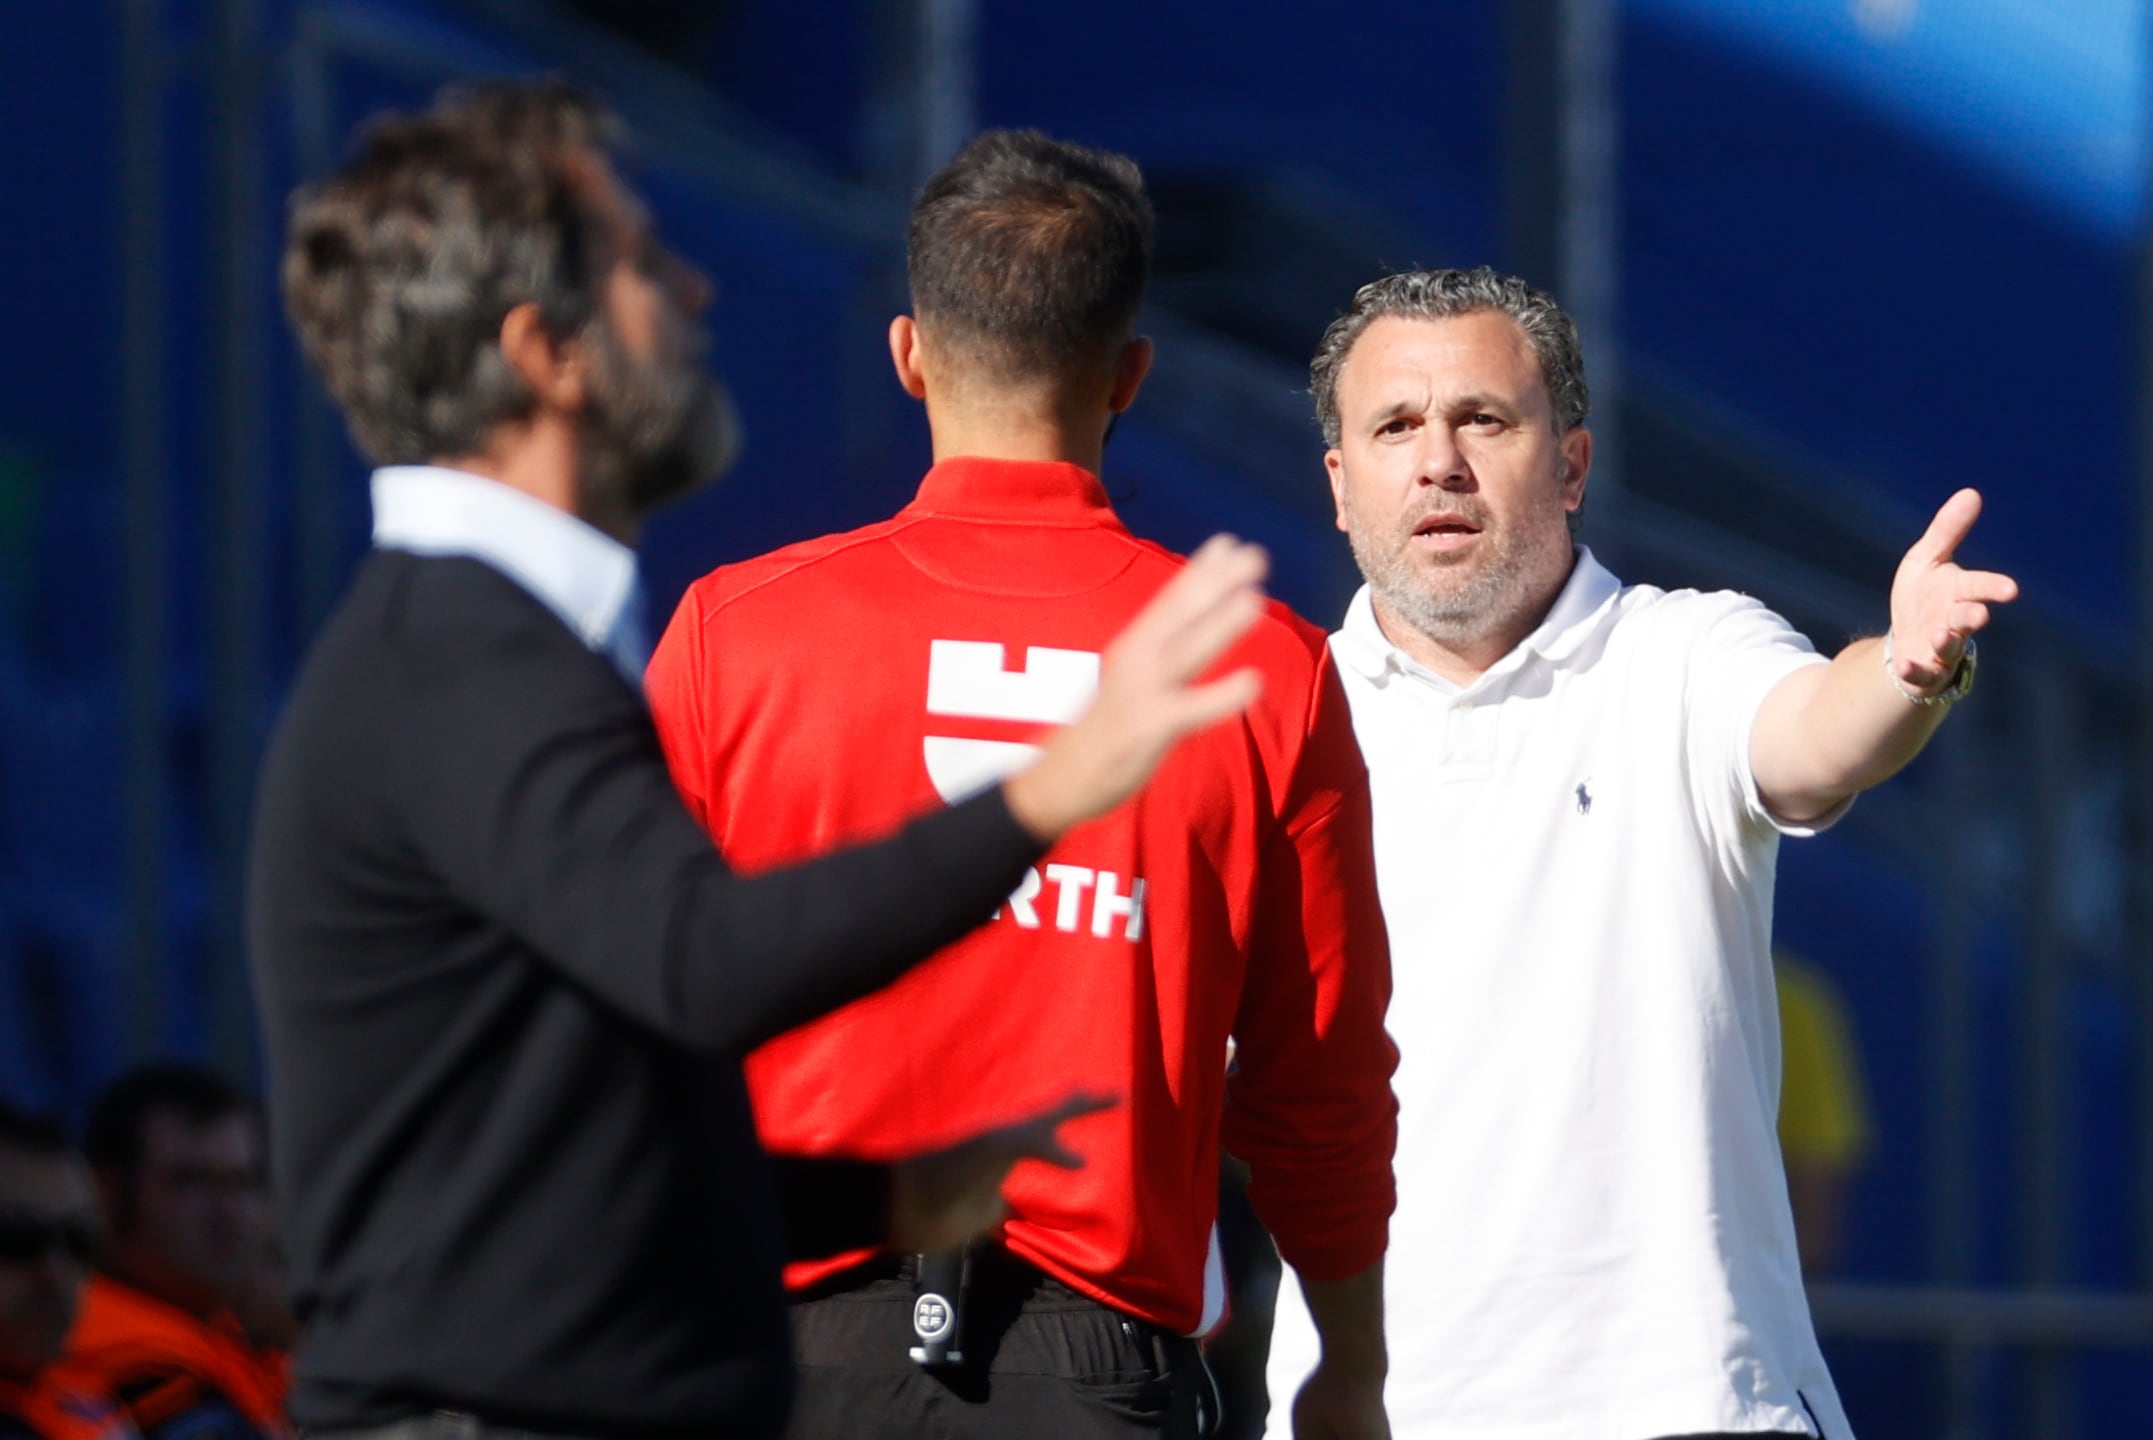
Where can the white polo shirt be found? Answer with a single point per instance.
(1592, 1239)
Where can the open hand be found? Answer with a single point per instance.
(1149, 698)
(1936, 605)
(946, 1197)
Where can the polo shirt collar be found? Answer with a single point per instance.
(1576, 613)
(1035, 491)
(1570, 621)
(577, 571)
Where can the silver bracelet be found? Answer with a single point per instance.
(1962, 678)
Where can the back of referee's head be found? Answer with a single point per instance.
(1028, 257)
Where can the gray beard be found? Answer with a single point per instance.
(1455, 616)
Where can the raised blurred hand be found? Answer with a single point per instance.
(1148, 697)
(946, 1197)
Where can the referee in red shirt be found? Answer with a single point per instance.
(820, 694)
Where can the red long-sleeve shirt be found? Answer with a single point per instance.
(827, 691)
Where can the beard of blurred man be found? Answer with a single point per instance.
(655, 429)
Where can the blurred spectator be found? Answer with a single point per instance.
(48, 1229)
(1823, 1108)
(176, 1150)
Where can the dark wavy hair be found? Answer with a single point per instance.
(400, 267)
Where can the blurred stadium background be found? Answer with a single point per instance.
(1834, 258)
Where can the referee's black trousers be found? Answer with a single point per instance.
(1042, 1362)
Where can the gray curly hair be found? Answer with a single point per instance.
(1439, 295)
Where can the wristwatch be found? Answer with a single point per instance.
(1962, 679)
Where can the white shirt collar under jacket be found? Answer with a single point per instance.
(575, 570)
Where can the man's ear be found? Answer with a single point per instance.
(552, 367)
(1334, 465)
(905, 356)
(1130, 368)
(1576, 465)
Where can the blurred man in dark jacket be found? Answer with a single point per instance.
(504, 979)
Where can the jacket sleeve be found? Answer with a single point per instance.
(1309, 1106)
(541, 797)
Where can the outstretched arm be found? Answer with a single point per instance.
(566, 828)
(1830, 731)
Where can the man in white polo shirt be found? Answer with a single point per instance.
(1579, 792)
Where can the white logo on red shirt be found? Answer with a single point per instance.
(969, 679)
